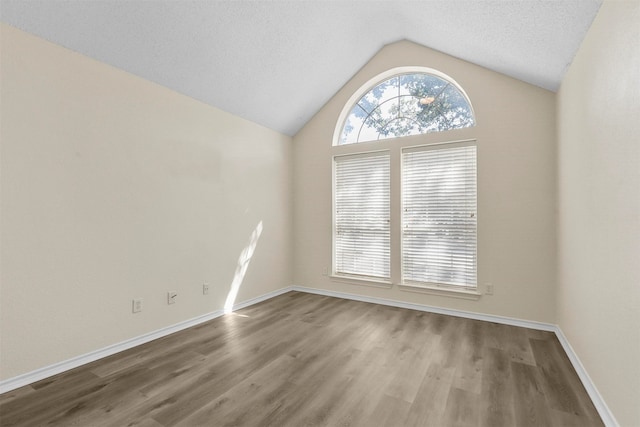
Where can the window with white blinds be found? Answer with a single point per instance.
(439, 220)
(362, 231)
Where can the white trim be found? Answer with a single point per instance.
(469, 164)
(470, 142)
(449, 291)
(48, 371)
(39, 374)
(385, 153)
(260, 298)
(432, 309)
(379, 78)
(361, 281)
(603, 410)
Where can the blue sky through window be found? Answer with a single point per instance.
(407, 104)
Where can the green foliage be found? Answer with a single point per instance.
(408, 104)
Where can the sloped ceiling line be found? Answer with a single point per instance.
(278, 62)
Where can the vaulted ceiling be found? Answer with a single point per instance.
(278, 62)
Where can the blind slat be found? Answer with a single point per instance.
(362, 215)
(439, 216)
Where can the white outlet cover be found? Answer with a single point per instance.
(171, 297)
(137, 305)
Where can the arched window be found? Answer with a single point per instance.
(408, 103)
(436, 193)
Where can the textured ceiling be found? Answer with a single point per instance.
(277, 62)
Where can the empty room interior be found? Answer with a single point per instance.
(290, 213)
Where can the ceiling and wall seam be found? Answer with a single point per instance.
(277, 63)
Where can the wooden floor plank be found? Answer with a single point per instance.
(530, 404)
(257, 392)
(497, 391)
(560, 383)
(388, 412)
(428, 407)
(303, 359)
(19, 393)
(468, 374)
(462, 409)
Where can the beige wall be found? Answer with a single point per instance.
(599, 206)
(515, 134)
(115, 188)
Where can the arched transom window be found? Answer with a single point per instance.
(419, 192)
(407, 104)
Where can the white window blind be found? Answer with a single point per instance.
(362, 215)
(439, 216)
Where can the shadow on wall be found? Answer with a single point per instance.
(241, 268)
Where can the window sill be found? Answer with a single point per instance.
(442, 291)
(361, 281)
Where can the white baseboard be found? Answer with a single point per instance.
(432, 309)
(42, 373)
(74, 362)
(603, 410)
(261, 298)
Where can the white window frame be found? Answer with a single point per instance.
(373, 82)
(472, 285)
(395, 146)
(345, 276)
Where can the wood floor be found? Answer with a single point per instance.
(302, 360)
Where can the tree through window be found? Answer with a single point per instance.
(407, 104)
(436, 189)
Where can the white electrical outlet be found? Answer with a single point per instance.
(171, 297)
(488, 289)
(205, 289)
(325, 271)
(137, 305)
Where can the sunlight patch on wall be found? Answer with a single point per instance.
(241, 268)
